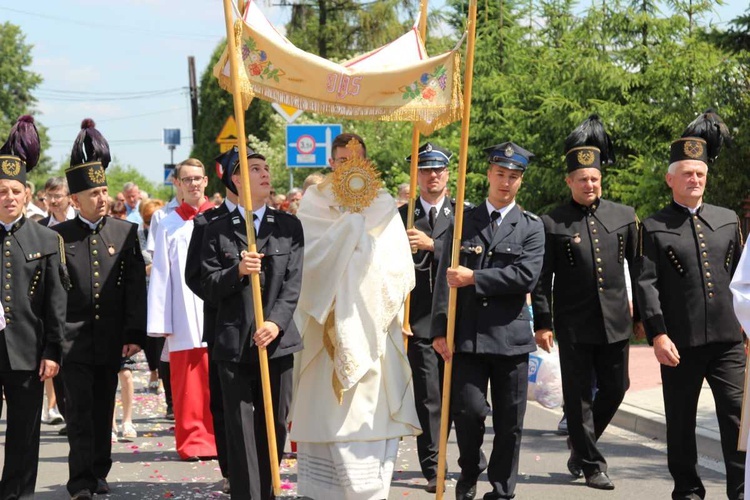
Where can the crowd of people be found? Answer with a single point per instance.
(92, 280)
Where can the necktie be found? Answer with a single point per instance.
(255, 219)
(494, 216)
(433, 215)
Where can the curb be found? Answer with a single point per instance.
(653, 425)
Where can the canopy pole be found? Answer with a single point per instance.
(413, 172)
(246, 197)
(457, 233)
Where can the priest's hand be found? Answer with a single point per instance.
(460, 277)
(545, 339)
(420, 241)
(665, 350)
(130, 350)
(48, 369)
(441, 346)
(266, 334)
(250, 263)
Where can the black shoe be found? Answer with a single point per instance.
(170, 413)
(574, 466)
(82, 495)
(432, 485)
(63, 431)
(102, 488)
(599, 481)
(226, 488)
(466, 491)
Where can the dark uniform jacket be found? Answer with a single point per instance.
(491, 316)
(193, 268)
(426, 263)
(586, 249)
(33, 296)
(107, 293)
(281, 240)
(686, 264)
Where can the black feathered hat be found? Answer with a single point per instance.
(88, 160)
(20, 153)
(225, 163)
(589, 146)
(702, 139)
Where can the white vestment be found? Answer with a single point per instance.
(173, 309)
(740, 287)
(354, 394)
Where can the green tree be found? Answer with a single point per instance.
(215, 106)
(17, 85)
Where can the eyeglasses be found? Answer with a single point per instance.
(192, 180)
(429, 171)
(55, 197)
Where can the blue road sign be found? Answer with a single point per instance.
(309, 146)
(169, 174)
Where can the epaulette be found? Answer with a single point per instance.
(467, 204)
(530, 215)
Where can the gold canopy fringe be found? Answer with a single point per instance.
(426, 120)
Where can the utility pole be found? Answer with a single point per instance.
(193, 95)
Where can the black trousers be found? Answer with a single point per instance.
(217, 413)
(427, 370)
(59, 386)
(722, 365)
(23, 395)
(90, 403)
(508, 377)
(152, 350)
(165, 376)
(249, 463)
(587, 420)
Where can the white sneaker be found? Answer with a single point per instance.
(54, 417)
(45, 414)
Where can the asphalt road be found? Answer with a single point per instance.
(148, 467)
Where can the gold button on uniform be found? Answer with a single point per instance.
(93, 242)
(96, 274)
(94, 252)
(96, 285)
(96, 317)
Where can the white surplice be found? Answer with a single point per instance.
(740, 287)
(359, 267)
(173, 309)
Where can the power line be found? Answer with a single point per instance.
(109, 26)
(121, 142)
(110, 93)
(84, 98)
(120, 118)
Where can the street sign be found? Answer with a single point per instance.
(171, 137)
(228, 135)
(169, 174)
(309, 146)
(290, 113)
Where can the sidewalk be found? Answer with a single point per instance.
(642, 411)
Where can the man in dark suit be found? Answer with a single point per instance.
(227, 161)
(33, 300)
(688, 253)
(433, 214)
(225, 270)
(587, 242)
(502, 248)
(106, 313)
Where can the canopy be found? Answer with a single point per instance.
(396, 82)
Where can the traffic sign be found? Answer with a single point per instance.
(228, 135)
(309, 146)
(169, 174)
(290, 113)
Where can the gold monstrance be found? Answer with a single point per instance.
(356, 182)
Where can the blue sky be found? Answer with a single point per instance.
(124, 64)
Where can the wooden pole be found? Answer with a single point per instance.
(458, 230)
(413, 174)
(246, 198)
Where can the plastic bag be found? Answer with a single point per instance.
(545, 380)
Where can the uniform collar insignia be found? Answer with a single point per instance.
(417, 211)
(235, 220)
(270, 218)
(447, 211)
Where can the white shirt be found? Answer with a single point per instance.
(174, 310)
(258, 214)
(8, 227)
(32, 210)
(503, 211)
(155, 219)
(691, 210)
(426, 205)
(70, 214)
(91, 225)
